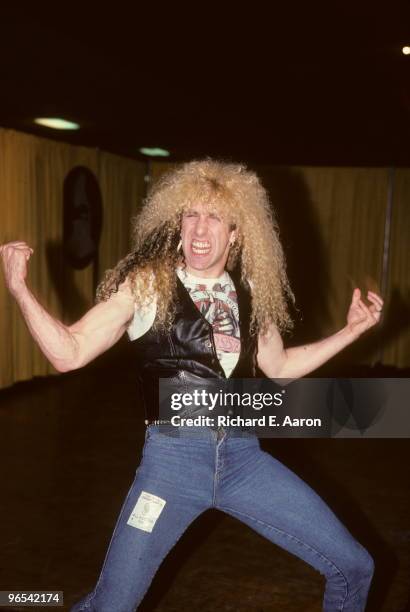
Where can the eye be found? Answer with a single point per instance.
(214, 216)
(190, 213)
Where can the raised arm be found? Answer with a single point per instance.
(66, 347)
(277, 362)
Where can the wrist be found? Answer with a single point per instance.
(18, 290)
(348, 334)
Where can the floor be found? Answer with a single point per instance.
(69, 447)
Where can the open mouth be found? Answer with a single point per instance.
(201, 247)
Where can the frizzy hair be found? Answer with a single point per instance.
(238, 196)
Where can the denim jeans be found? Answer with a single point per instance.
(182, 475)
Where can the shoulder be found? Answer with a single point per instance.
(145, 306)
(123, 296)
(271, 338)
(236, 277)
(137, 284)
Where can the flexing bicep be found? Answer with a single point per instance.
(271, 353)
(102, 326)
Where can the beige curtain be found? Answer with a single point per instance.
(396, 345)
(332, 223)
(32, 172)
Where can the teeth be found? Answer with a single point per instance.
(201, 245)
(200, 248)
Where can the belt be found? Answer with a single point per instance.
(221, 430)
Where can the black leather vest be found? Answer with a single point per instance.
(187, 352)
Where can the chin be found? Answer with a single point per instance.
(198, 263)
(198, 266)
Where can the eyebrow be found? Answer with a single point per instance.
(213, 213)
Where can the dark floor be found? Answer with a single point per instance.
(69, 447)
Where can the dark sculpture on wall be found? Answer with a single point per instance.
(82, 218)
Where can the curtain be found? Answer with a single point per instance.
(332, 223)
(32, 172)
(396, 332)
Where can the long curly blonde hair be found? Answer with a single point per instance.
(238, 196)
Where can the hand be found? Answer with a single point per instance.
(362, 317)
(15, 256)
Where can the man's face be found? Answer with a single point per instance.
(205, 241)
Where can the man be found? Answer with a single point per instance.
(189, 319)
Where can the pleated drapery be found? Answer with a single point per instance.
(336, 224)
(32, 173)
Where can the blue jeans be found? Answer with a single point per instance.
(182, 475)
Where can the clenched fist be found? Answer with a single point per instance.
(14, 257)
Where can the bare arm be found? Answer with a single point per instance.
(66, 347)
(277, 362)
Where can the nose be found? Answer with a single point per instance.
(201, 225)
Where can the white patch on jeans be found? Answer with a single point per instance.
(146, 511)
